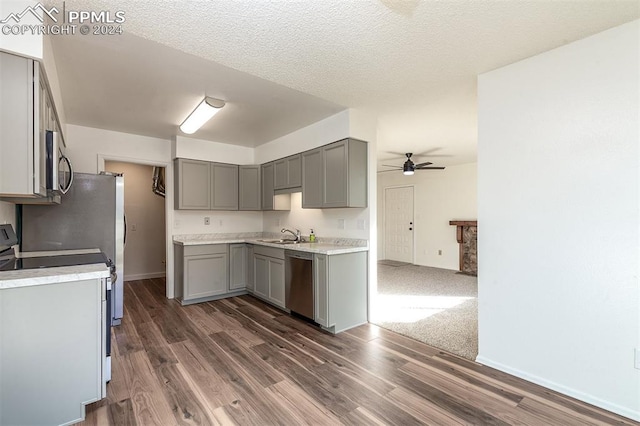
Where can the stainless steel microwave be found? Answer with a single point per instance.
(59, 168)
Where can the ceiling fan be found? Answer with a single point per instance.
(409, 166)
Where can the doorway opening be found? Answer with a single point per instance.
(145, 221)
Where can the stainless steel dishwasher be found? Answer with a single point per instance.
(298, 275)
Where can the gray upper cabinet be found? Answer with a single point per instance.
(312, 179)
(224, 186)
(267, 186)
(288, 172)
(201, 185)
(192, 184)
(26, 112)
(335, 175)
(250, 188)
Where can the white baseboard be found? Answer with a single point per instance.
(590, 399)
(144, 276)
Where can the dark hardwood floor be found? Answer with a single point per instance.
(240, 361)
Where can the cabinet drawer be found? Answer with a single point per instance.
(205, 249)
(269, 251)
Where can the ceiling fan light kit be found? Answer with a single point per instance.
(409, 168)
(203, 113)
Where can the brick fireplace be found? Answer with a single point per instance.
(467, 236)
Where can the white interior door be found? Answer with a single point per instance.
(398, 220)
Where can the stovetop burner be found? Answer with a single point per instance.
(55, 261)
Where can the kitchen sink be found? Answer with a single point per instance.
(283, 242)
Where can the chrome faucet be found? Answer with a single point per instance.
(295, 234)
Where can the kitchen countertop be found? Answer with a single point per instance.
(43, 276)
(323, 246)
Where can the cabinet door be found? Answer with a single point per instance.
(250, 270)
(224, 186)
(321, 289)
(261, 275)
(237, 267)
(205, 275)
(281, 179)
(249, 189)
(192, 184)
(267, 186)
(294, 168)
(312, 179)
(335, 162)
(276, 281)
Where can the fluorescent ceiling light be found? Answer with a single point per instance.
(203, 112)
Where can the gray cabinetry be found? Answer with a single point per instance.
(238, 267)
(224, 186)
(288, 172)
(267, 186)
(269, 274)
(340, 290)
(250, 188)
(192, 184)
(201, 185)
(26, 112)
(312, 179)
(201, 272)
(250, 269)
(335, 175)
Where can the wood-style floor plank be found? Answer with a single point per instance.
(241, 361)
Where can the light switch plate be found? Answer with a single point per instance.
(207, 221)
(340, 223)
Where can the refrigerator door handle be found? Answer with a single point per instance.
(125, 230)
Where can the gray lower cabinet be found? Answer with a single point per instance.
(52, 351)
(335, 175)
(268, 265)
(238, 267)
(201, 272)
(340, 290)
(202, 185)
(267, 186)
(250, 269)
(250, 188)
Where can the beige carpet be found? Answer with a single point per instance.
(432, 305)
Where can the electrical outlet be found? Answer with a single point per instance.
(207, 221)
(340, 223)
(439, 252)
(134, 227)
(221, 223)
(637, 360)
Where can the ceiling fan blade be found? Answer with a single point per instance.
(389, 165)
(429, 168)
(426, 163)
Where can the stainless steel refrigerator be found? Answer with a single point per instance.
(90, 215)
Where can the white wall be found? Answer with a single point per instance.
(27, 44)
(199, 149)
(145, 252)
(439, 196)
(329, 130)
(8, 214)
(558, 202)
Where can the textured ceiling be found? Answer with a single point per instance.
(414, 63)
